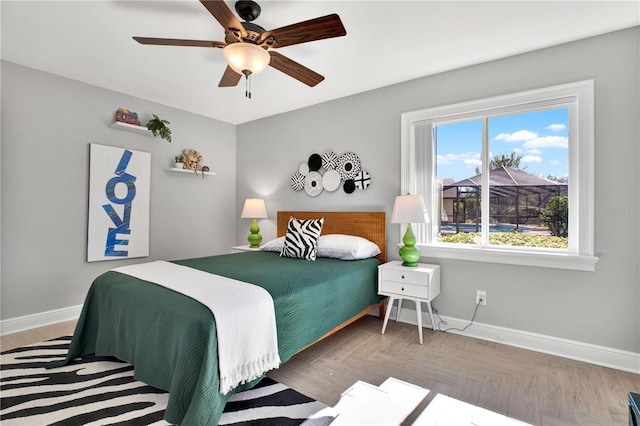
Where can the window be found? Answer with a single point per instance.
(506, 179)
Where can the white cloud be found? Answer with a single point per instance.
(531, 159)
(547, 142)
(555, 162)
(473, 162)
(464, 157)
(534, 151)
(556, 127)
(519, 136)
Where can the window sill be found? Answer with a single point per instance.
(510, 257)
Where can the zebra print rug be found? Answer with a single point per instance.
(102, 391)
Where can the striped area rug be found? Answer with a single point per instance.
(102, 391)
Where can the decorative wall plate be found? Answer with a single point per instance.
(349, 186)
(363, 179)
(303, 169)
(297, 182)
(313, 184)
(329, 160)
(315, 162)
(348, 165)
(331, 180)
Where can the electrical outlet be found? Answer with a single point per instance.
(481, 297)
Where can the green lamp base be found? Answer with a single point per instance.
(254, 238)
(409, 253)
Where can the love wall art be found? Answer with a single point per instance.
(119, 186)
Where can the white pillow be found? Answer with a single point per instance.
(346, 247)
(273, 245)
(338, 246)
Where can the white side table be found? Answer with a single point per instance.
(420, 284)
(240, 249)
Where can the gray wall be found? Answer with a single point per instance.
(593, 307)
(47, 125)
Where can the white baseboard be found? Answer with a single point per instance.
(579, 351)
(27, 322)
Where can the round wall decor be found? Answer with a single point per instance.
(349, 186)
(331, 180)
(329, 160)
(303, 169)
(297, 182)
(363, 179)
(313, 184)
(315, 162)
(328, 171)
(348, 165)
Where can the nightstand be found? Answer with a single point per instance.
(420, 284)
(240, 249)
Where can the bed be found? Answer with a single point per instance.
(171, 339)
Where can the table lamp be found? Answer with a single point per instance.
(254, 208)
(409, 209)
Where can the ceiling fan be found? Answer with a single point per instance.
(246, 45)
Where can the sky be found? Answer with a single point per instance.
(540, 137)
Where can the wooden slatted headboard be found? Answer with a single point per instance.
(369, 225)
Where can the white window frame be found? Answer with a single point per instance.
(417, 179)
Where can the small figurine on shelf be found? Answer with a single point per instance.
(158, 126)
(126, 116)
(192, 159)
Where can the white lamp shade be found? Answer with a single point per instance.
(246, 56)
(409, 209)
(254, 208)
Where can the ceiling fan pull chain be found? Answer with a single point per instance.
(247, 90)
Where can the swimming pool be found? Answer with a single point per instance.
(471, 227)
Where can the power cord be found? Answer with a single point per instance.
(443, 322)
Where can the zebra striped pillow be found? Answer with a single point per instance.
(301, 239)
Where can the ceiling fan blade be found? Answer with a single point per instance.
(224, 16)
(229, 78)
(314, 29)
(294, 69)
(178, 42)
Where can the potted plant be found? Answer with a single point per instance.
(179, 161)
(158, 126)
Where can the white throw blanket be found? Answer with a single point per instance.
(244, 314)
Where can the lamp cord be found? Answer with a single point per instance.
(443, 322)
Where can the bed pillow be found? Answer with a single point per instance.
(336, 246)
(301, 239)
(273, 245)
(346, 247)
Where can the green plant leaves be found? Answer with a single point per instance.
(158, 126)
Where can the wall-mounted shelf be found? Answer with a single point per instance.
(200, 172)
(141, 130)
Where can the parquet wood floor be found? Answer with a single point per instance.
(528, 386)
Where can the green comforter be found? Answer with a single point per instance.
(171, 339)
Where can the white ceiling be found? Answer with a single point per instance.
(387, 42)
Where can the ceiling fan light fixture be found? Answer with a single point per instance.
(243, 57)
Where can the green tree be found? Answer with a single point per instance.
(511, 161)
(558, 179)
(556, 216)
